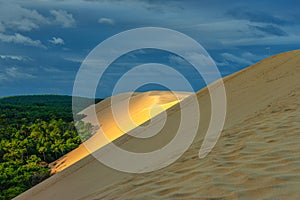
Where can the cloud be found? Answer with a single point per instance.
(14, 73)
(24, 25)
(57, 41)
(241, 59)
(51, 70)
(251, 56)
(11, 57)
(234, 33)
(222, 29)
(156, 6)
(257, 16)
(63, 18)
(224, 63)
(270, 30)
(173, 59)
(270, 40)
(106, 21)
(20, 39)
(236, 59)
(17, 18)
(74, 59)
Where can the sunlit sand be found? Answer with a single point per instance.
(141, 108)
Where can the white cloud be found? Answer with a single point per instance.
(251, 56)
(63, 18)
(15, 17)
(57, 40)
(51, 69)
(24, 25)
(20, 39)
(176, 60)
(14, 73)
(225, 63)
(236, 59)
(75, 59)
(224, 29)
(106, 21)
(270, 40)
(245, 59)
(11, 57)
(240, 32)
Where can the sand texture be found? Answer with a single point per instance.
(256, 157)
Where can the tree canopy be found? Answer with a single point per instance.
(34, 131)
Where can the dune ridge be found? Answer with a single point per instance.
(141, 108)
(257, 156)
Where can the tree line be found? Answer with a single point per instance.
(34, 131)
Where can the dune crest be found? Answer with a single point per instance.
(141, 108)
(257, 156)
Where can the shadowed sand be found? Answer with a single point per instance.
(256, 157)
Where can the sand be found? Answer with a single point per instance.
(142, 107)
(256, 157)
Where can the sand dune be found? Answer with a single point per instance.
(142, 107)
(257, 156)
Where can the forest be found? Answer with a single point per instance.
(35, 131)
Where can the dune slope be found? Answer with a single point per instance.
(257, 156)
(142, 107)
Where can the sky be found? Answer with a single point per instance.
(43, 43)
